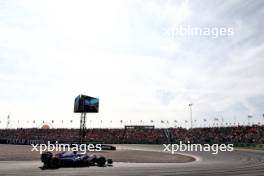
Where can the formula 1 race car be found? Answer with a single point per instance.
(73, 159)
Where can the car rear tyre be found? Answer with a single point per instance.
(46, 158)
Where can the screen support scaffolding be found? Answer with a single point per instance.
(82, 127)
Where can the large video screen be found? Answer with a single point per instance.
(87, 104)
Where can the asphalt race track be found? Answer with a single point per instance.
(239, 162)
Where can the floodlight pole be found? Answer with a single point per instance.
(8, 122)
(82, 127)
(262, 119)
(190, 105)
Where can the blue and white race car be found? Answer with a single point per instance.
(73, 159)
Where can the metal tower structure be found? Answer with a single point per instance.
(82, 127)
(85, 104)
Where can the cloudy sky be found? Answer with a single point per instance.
(120, 52)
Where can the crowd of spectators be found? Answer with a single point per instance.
(240, 134)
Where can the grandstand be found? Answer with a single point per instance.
(138, 135)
